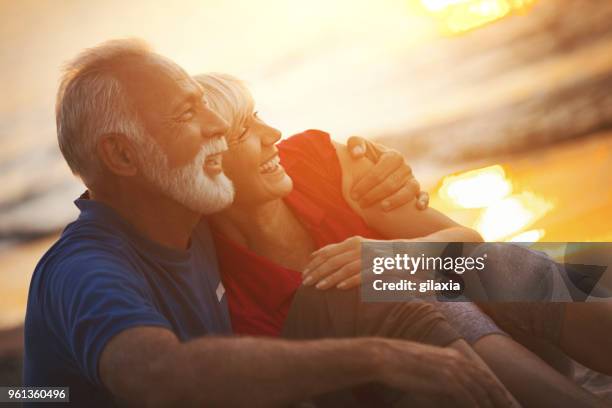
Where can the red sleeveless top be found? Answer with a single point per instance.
(259, 291)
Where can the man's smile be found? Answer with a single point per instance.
(213, 164)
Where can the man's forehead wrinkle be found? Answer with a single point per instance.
(148, 79)
(144, 71)
(192, 89)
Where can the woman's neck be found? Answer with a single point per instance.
(269, 229)
(250, 223)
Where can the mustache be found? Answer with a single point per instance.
(210, 147)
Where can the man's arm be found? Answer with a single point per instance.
(389, 183)
(339, 264)
(406, 221)
(149, 366)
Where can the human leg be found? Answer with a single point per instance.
(586, 335)
(530, 379)
(316, 314)
(528, 281)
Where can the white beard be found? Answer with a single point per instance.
(189, 185)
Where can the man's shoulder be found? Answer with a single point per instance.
(85, 248)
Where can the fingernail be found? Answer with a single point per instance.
(305, 272)
(321, 284)
(307, 281)
(358, 150)
(341, 285)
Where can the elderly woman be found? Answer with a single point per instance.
(288, 206)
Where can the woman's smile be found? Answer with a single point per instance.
(271, 166)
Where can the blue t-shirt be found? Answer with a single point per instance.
(100, 278)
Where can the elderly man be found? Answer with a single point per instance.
(127, 307)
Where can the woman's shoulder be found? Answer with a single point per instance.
(310, 159)
(311, 144)
(313, 153)
(309, 137)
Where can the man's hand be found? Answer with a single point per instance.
(390, 183)
(433, 376)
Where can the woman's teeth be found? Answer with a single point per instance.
(270, 165)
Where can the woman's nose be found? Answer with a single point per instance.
(271, 135)
(212, 124)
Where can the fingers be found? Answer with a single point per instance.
(485, 388)
(461, 396)
(350, 269)
(356, 146)
(351, 282)
(498, 395)
(334, 270)
(387, 164)
(443, 376)
(320, 256)
(477, 392)
(332, 249)
(360, 147)
(405, 195)
(422, 200)
(415, 187)
(395, 181)
(466, 377)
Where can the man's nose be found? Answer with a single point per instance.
(213, 125)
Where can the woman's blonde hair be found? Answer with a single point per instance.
(229, 97)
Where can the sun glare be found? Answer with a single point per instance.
(477, 188)
(511, 215)
(501, 215)
(528, 236)
(457, 16)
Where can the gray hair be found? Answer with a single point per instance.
(91, 102)
(229, 97)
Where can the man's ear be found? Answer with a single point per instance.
(118, 154)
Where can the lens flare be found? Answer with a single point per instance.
(497, 213)
(528, 236)
(457, 16)
(511, 215)
(476, 188)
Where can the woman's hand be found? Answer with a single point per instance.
(336, 265)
